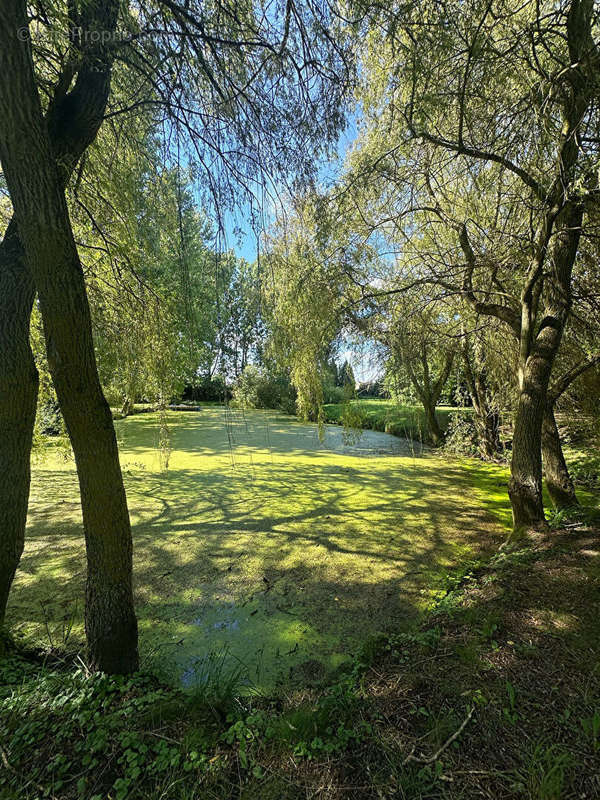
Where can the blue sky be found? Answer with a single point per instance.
(244, 242)
(240, 236)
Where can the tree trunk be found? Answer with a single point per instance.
(18, 401)
(487, 419)
(558, 481)
(488, 422)
(45, 231)
(563, 230)
(436, 434)
(525, 485)
(73, 120)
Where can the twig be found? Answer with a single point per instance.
(10, 768)
(445, 746)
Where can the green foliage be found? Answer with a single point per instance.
(64, 732)
(545, 773)
(333, 394)
(209, 389)
(88, 735)
(585, 515)
(388, 416)
(216, 679)
(258, 388)
(306, 294)
(346, 377)
(461, 435)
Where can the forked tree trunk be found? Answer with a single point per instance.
(525, 485)
(45, 231)
(73, 121)
(558, 481)
(428, 390)
(565, 218)
(18, 394)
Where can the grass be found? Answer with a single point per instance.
(389, 416)
(494, 694)
(262, 541)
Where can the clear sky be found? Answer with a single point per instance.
(239, 233)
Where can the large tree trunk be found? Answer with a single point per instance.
(18, 400)
(558, 481)
(40, 208)
(563, 230)
(525, 486)
(73, 120)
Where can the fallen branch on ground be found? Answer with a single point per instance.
(445, 746)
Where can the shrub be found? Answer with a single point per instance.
(257, 388)
(461, 435)
(207, 390)
(333, 394)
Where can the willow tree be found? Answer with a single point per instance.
(311, 287)
(509, 93)
(252, 92)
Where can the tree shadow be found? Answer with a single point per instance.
(283, 551)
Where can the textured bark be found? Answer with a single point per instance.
(73, 120)
(436, 434)
(488, 424)
(428, 391)
(563, 228)
(36, 186)
(525, 486)
(549, 277)
(556, 472)
(558, 481)
(18, 400)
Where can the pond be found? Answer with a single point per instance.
(264, 549)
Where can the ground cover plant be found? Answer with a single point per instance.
(493, 693)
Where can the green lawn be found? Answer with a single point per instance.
(263, 540)
(391, 417)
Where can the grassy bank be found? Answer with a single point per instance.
(494, 694)
(389, 416)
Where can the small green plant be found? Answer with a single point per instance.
(510, 711)
(591, 729)
(545, 774)
(217, 679)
